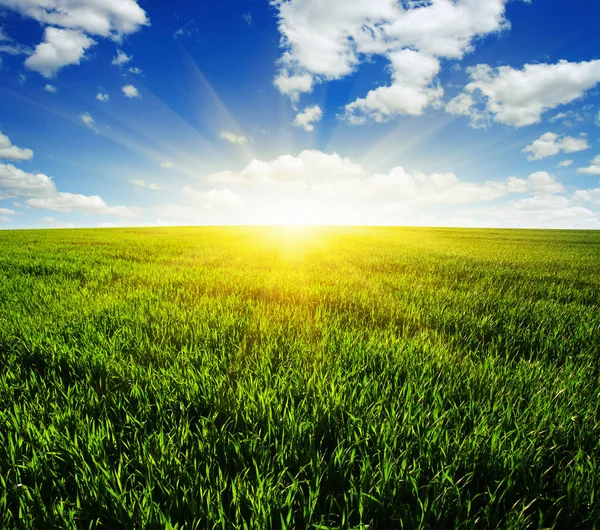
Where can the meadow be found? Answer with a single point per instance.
(326, 378)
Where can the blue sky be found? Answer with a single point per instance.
(428, 112)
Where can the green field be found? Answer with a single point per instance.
(299, 378)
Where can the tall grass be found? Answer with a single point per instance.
(311, 378)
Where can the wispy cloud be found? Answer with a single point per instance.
(233, 138)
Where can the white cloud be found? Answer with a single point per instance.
(565, 163)
(247, 17)
(307, 117)
(130, 91)
(8, 151)
(539, 183)
(107, 18)
(411, 92)
(571, 118)
(543, 202)
(51, 88)
(143, 184)
(591, 196)
(102, 96)
(61, 47)
(293, 85)
(167, 164)
(329, 175)
(7, 211)
(593, 169)
(543, 183)
(53, 223)
(551, 144)
(18, 183)
(233, 138)
(11, 48)
(68, 25)
(88, 121)
(323, 41)
(121, 58)
(520, 97)
(15, 49)
(135, 70)
(86, 204)
(215, 198)
(543, 211)
(40, 192)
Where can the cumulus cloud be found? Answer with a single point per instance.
(551, 144)
(520, 97)
(593, 169)
(18, 183)
(538, 183)
(143, 184)
(215, 198)
(167, 164)
(412, 90)
(109, 18)
(8, 151)
(135, 70)
(130, 91)
(121, 58)
(329, 175)
(60, 48)
(88, 121)
(293, 85)
(308, 117)
(51, 88)
(69, 24)
(40, 191)
(577, 210)
(542, 183)
(323, 41)
(233, 138)
(591, 197)
(102, 96)
(89, 205)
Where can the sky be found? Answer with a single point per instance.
(365, 112)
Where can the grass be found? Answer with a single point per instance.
(343, 378)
